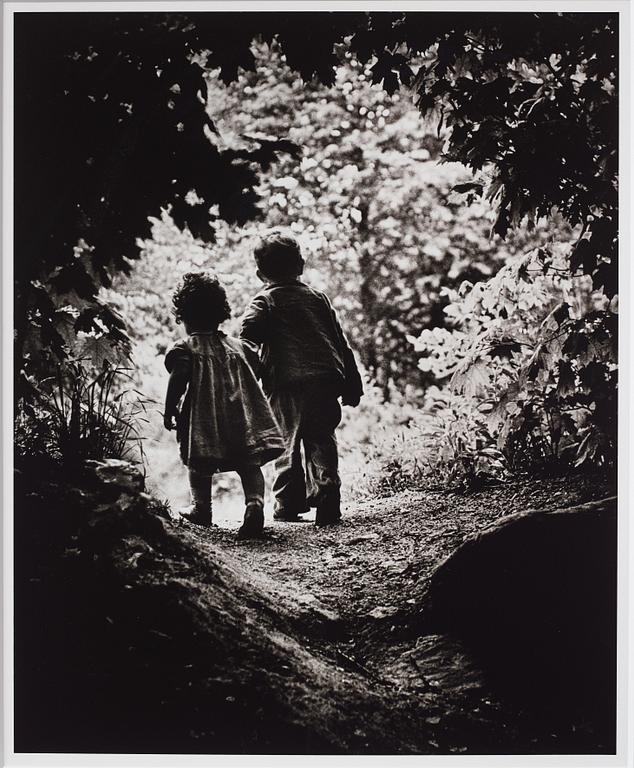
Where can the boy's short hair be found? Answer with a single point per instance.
(200, 301)
(278, 256)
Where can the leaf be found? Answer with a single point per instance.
(99, 351)
(473, 380)
(495, 187)
(469, 187)
(583, 256)
(535, 363)
(504, 348)
(65, 325)
(593, 375)
(576, 344)
(74, 277)
(587, 449)
(606, 277)
(566, 379)
(561, 313)
(502, 222)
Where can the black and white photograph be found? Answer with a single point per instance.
(311, 374)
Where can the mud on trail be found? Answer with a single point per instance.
(136, 633)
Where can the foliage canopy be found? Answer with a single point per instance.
(111, 125)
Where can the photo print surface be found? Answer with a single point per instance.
(315, 382)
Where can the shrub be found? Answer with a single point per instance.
(77, 415)
(533, 358)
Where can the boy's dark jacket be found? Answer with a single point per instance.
(302, 340)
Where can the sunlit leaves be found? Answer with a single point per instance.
(540, 351)
(536, 101)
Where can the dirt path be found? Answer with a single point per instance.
(360, 575)
(364, 568)
(308, 641)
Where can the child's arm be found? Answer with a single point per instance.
(178, 363)
(252, 356)
(254, 325)
(353, 386)
(176, 387)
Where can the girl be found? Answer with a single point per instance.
(225, 422)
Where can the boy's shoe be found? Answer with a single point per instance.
(196, 516)
(328, 512)
(329, 508)
(253, 524)
(327, 518)
(283, 515)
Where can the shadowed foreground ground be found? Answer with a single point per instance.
(135, 633)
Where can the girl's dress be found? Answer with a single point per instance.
(225, 422)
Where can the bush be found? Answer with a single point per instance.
(77, 415)
(530, 368)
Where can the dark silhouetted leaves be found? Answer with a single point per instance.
(470, 187)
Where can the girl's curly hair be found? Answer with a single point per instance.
(200, 301)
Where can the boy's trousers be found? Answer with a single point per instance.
(308, 415)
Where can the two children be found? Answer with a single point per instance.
(226, 423)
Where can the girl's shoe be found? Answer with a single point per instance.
(196, 516)
(253, 524)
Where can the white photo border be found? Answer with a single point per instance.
(625, 693)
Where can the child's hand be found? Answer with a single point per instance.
(169, 421)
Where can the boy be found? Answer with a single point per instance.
(307, 365)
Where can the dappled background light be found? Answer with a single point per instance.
(385, 235)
